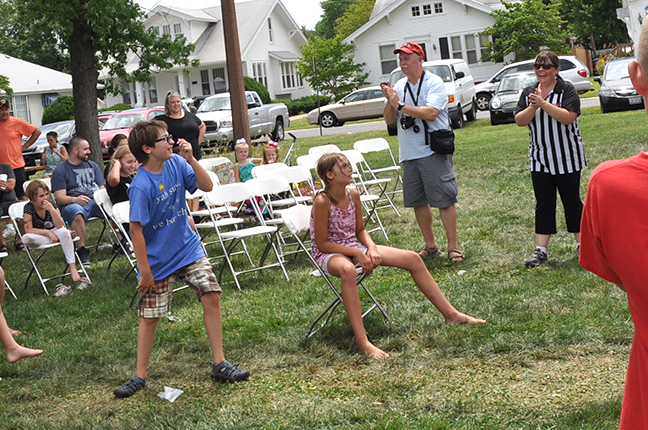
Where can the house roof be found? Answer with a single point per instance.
(383, 8)
(29, 78)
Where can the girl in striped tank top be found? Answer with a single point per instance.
(340, 243)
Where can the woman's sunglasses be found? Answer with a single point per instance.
(545, 66)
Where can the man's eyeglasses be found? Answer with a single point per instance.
(545, 66)
(168, 139)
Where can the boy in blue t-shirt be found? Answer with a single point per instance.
(159, 218)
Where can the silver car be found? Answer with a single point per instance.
(364, 103)
(571, 70)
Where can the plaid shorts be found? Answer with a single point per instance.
(198, 275)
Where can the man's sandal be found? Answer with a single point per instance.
(429, 252)
(457, 257)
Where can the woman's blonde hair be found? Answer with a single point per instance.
(33, 187)
(166, 100)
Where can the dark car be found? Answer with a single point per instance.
(504, 102)
(617, 92)
(66, 130)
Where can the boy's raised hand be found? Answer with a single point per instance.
(186, 150)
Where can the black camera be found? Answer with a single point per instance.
(408, 122)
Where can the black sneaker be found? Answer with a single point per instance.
(536, 258)
(84, 256)
(130, 387)
(229, 372)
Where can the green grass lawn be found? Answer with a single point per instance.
(552, 356)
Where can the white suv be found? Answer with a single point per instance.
(459, 85)
(571, 70)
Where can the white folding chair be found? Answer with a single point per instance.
(375, 145)
(121, 215)
(266, 169)
(297, 176)
(237, 194)
(115, 233)
(3, 255)
(16, 213)
(297, 221)
(323, 149)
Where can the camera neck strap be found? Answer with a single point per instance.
(409, 90)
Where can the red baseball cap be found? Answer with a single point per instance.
(411, 48)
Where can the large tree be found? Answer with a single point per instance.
(100, 35)
(4, 86)
(337, 74)
(355, 17)
(594, 22)
(524, 29)
(332, 10)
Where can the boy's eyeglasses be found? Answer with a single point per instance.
(168, 139)
(545, 66)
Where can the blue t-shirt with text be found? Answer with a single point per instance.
(157, 202)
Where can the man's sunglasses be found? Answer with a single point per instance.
(545, 66)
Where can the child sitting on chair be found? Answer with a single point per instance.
(270, 153)
(244, 164)
(340, 243)
(44, 225)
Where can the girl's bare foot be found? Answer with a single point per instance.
(373, 352)
(22, 352)
(14, 333)
(460, 318)
(74, 273)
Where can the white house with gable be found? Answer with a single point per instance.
(633, 13)
(34, 87)
(444, 28)
(270, 43)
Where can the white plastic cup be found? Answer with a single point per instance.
(3, 177)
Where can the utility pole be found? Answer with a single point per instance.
(240, 121)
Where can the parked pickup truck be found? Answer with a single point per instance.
(216, 113)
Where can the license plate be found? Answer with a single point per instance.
(634, 100)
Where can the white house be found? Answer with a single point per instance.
(269, 40)
(34, 87)
(633, 13)
(444, 28)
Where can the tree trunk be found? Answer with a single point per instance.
(84, 87)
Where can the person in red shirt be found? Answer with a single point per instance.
(12, 130)
(614, 246)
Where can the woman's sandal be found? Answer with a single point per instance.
(429, 252)
(457, 257)
(3, 248)
(19, 247)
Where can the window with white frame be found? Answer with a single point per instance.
(259, 73)
(152, 90)
(471, 49)
(177, 30)
(20, 108)
(288, 75)
(166, 29)
(416, 11)
(426, 9)
(455, 43)
(438, 8)
(387, 59)
(204, 79)
(270, 34)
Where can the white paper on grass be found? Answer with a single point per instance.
(171, 394)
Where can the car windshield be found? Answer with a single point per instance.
(616, 71)
(441, 71)
(516, 83)
(123, 121)
(60, 129)
(217, 103)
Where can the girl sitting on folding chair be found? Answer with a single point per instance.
(341, 243)
(44, 225)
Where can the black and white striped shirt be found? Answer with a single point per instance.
(555, 148)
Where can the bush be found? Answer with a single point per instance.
(62, 109)
(261, 90)
(304, 104)
(117, 107)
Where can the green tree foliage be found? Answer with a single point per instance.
(254, 85)
(525, 29)
(99, 35)
(594, 22)
(332, 10)
(337, 74)
(31, 37)
(4, 86)
(61, 109)
(355, 17)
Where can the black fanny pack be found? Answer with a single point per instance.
(441, 141)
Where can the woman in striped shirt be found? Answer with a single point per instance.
(556, 155)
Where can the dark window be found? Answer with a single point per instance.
(443, 45)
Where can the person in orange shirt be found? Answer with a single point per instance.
(12, 130)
